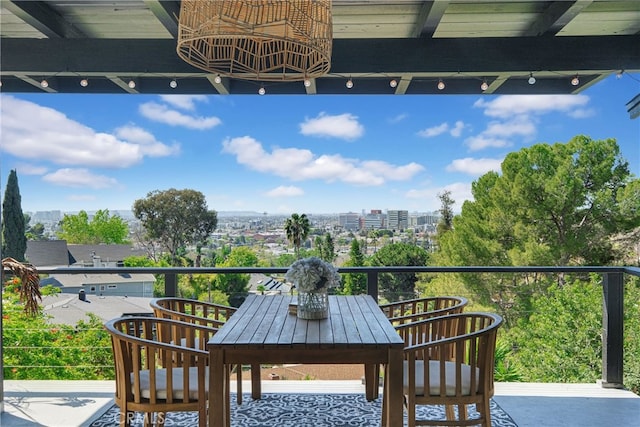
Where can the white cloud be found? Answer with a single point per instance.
(80, 178)
(184, 102)
(509, 105)
(285, 191)
(516, 117)
(480, 142)
(475, 167)
(457, 129)
(30, 131)
(163, 114)
(146, 141)
(343, 126)
(398, 118)
(582, 113)
(300, 164)
(434, 131)
(454, 131)
(519, 125)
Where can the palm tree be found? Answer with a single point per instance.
(297, 228)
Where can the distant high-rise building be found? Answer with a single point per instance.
(397, 220)
(374, 220)
(349, 221)
(46, 216)
(427, 221)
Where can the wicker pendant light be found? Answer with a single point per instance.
(266, 40)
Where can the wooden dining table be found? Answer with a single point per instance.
(263, 331)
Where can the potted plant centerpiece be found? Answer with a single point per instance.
(313, 277)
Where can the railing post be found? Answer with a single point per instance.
(372, 284)
(612, 330)
(170, 284)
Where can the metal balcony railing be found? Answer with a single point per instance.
(612, 289)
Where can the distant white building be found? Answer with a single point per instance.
(397, 220)
(349, 221)
(374, 220)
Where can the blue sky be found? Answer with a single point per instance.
(283, 154)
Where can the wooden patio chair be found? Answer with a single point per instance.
(204, 314)
(407, 311)
(449, 360)
(161, 366)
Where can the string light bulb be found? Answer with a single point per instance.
(349, 83)
(217, 79)
(261, 91)
(44, 83)
(393, 83)
(84, 82)
(173, 84)
(532, 80)
(307, 82)
(441, 84)
(575, 81)
(484, 86)
(132, 84)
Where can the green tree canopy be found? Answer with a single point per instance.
(325, 248)
(236, 285)
(554, 204)
(446, 212)
(102, 228)
(14, 239)
(396, 286)
(175, 218)
(354, 283)
(297, 229)
(33, 232)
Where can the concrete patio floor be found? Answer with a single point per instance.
(79, 403)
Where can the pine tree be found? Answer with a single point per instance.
(14, 239)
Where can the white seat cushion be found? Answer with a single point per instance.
(434, 378)
(161, 383)
(183, 343)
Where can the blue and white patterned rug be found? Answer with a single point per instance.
(302, 410)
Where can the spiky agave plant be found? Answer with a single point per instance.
(30, 290)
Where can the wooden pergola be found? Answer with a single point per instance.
(414, 43)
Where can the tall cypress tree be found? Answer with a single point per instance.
(14, 239)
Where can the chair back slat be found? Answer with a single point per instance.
(192, 311)
(407, 311)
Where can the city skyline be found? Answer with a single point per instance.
(284, 154)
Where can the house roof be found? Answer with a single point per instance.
(77, 280)
(69, 309)
(48, 253)
(107, 253)
(414, 42)
(57, 253)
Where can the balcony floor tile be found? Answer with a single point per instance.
(79, 403)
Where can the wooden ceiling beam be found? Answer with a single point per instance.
(557, 16)
(167, 13)
(43, 18)
(350, 56)
(430, 15)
